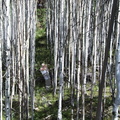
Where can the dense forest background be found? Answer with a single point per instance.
(82, 39)
(77, 42)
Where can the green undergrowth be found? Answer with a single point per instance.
(46, 105)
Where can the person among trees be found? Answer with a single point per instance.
(45, 72)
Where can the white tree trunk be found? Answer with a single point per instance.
(1, 81)
(8, 61)
(117, 73)
(32, 52)
(56, 47)
(61, 59)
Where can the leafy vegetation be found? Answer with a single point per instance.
(47, 105)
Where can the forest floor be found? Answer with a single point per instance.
(46, 104)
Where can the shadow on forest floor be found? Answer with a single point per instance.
(47, 105)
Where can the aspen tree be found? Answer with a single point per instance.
(110, 30)
(87, 36)
(13, 43)
(56, 47)
(73, 55)
(78, 80)
(110, 69)
(52, 23)
(67, 41)
(22, 56)
(27, 37)
(117, 99)
(8, 60)
(1, 39)
(61, 59)
(32, 52)
(95, 42)
(91, 54)
(70, 41)
(83, 90)
(18, 54)
(79, 29)
(48, 21)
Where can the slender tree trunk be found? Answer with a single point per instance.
(98, 114)
(27, 37)
(13, 43)
(73, 64)
(117, 73)
(8, 62)
(56, 47)
(1, 81)
(83, 90)
(61, 59)
(20, 85)
(32, 52)
(78, 79)
(79, 59)
(70, 41)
